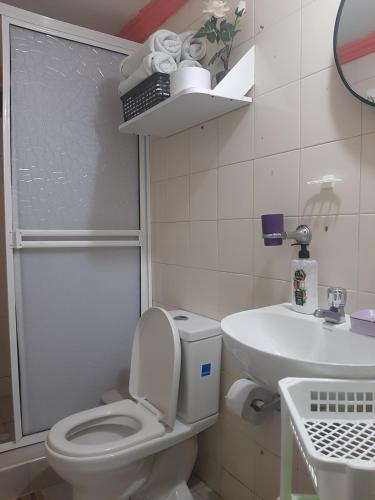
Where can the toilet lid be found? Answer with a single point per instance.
(156, 362)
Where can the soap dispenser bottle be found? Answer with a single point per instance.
(304, 282)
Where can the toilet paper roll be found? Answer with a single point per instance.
(241, 396)
(188, 78)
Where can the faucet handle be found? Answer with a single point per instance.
(337, 297)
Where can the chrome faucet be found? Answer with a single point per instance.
(336, 302)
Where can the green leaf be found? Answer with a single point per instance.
(201, 33)
(226, 31)
(211, 37)
(225, 35)
(212, 60)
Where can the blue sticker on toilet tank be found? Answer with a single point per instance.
(206, 370)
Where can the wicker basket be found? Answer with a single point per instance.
(149, 93)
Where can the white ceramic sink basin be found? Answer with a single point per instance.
(275, 342)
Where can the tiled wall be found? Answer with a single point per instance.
(209, 186)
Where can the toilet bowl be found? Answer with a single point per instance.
(142, 449)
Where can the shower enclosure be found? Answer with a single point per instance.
(77, 267)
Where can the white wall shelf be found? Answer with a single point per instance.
(182, 111)
(194, 106)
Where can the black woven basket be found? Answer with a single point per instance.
(155, 89)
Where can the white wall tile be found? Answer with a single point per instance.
(368, 174)
(158, 282)
(247, 21)
(365, 300)
(318, 22)
(335, 246)
(176, 199)
(235, 191)
(232, 488)
(236, 136)
(276, 184)
(204, 244)
(236, 246)
(176, 155)
(157, 246)
(176, 289)
(203, 195)
(267, 481)
(341, 159)
(158, 205)
(268, 435)
(278, 54)
(277, 127)
(210, 442)
(328, 111)
(204, 147)
(268, 292)
(210, 469)
(366, 253)
(269, 12)
(239, 456)
(235, 293)
(204, 292)
(368, 118)
(157, 160)
(176, 243)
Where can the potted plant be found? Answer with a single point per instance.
(217, 29)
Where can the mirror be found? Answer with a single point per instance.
(354, 47)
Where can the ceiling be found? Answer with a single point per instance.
(108, 16)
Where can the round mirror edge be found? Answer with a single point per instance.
(337, 62)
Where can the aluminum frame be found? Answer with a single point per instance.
(18, 17)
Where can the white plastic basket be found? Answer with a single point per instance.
(333, 422)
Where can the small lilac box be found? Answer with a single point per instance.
(363, 322)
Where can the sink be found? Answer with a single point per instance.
(275, 342)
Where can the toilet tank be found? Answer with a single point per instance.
(200, 366)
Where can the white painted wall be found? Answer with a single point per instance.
(107, 16)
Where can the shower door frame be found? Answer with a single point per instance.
(12, 16)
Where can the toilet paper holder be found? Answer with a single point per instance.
(249, 401)
(261, 406)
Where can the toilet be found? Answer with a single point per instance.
(145, 448)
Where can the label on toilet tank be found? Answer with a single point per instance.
(206, 370)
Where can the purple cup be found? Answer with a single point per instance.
(273, 223)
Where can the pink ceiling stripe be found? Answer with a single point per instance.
(357, 49)
(149, 19)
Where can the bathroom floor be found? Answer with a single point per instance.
(62, 491)
(201, 491)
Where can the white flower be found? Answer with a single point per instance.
(216, 8)
(241, 6)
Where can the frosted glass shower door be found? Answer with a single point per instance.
(76, 225)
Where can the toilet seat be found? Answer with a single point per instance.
(154, 383)
(104, 430)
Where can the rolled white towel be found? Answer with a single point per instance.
(152, 63)
(161, 41)
(188, 63)
(192, 48)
